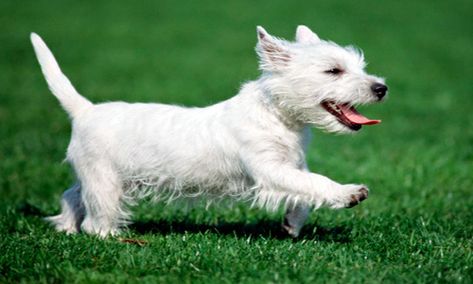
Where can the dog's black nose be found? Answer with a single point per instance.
(379, 90)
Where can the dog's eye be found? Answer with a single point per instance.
(334, 71)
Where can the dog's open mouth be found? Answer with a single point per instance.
(348, 115)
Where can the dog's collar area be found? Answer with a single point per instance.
(348, 115)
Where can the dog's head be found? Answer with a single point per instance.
(318, 82)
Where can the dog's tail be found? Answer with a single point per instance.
(58, 83)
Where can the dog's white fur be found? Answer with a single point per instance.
(251, 146)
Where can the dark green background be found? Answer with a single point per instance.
(415, 227)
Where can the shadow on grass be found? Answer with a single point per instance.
(262, 228)
(28, 209)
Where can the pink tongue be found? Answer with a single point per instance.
(355, 117)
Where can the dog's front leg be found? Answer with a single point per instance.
(301, 187)
(295, 218)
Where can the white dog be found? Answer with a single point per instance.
(251, 146)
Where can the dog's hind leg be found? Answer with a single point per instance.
(294, 219)
(102, 195)
(72, 212)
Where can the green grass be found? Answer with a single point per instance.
(415, 227)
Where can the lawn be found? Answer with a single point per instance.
(416, 227)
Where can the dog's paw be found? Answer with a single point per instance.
(360, 195)
(292, 230)
(63, 224)
(349, 195)
(100, 229)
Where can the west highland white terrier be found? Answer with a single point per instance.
(250, 147)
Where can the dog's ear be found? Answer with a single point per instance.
(305, 35)
(273, 53)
